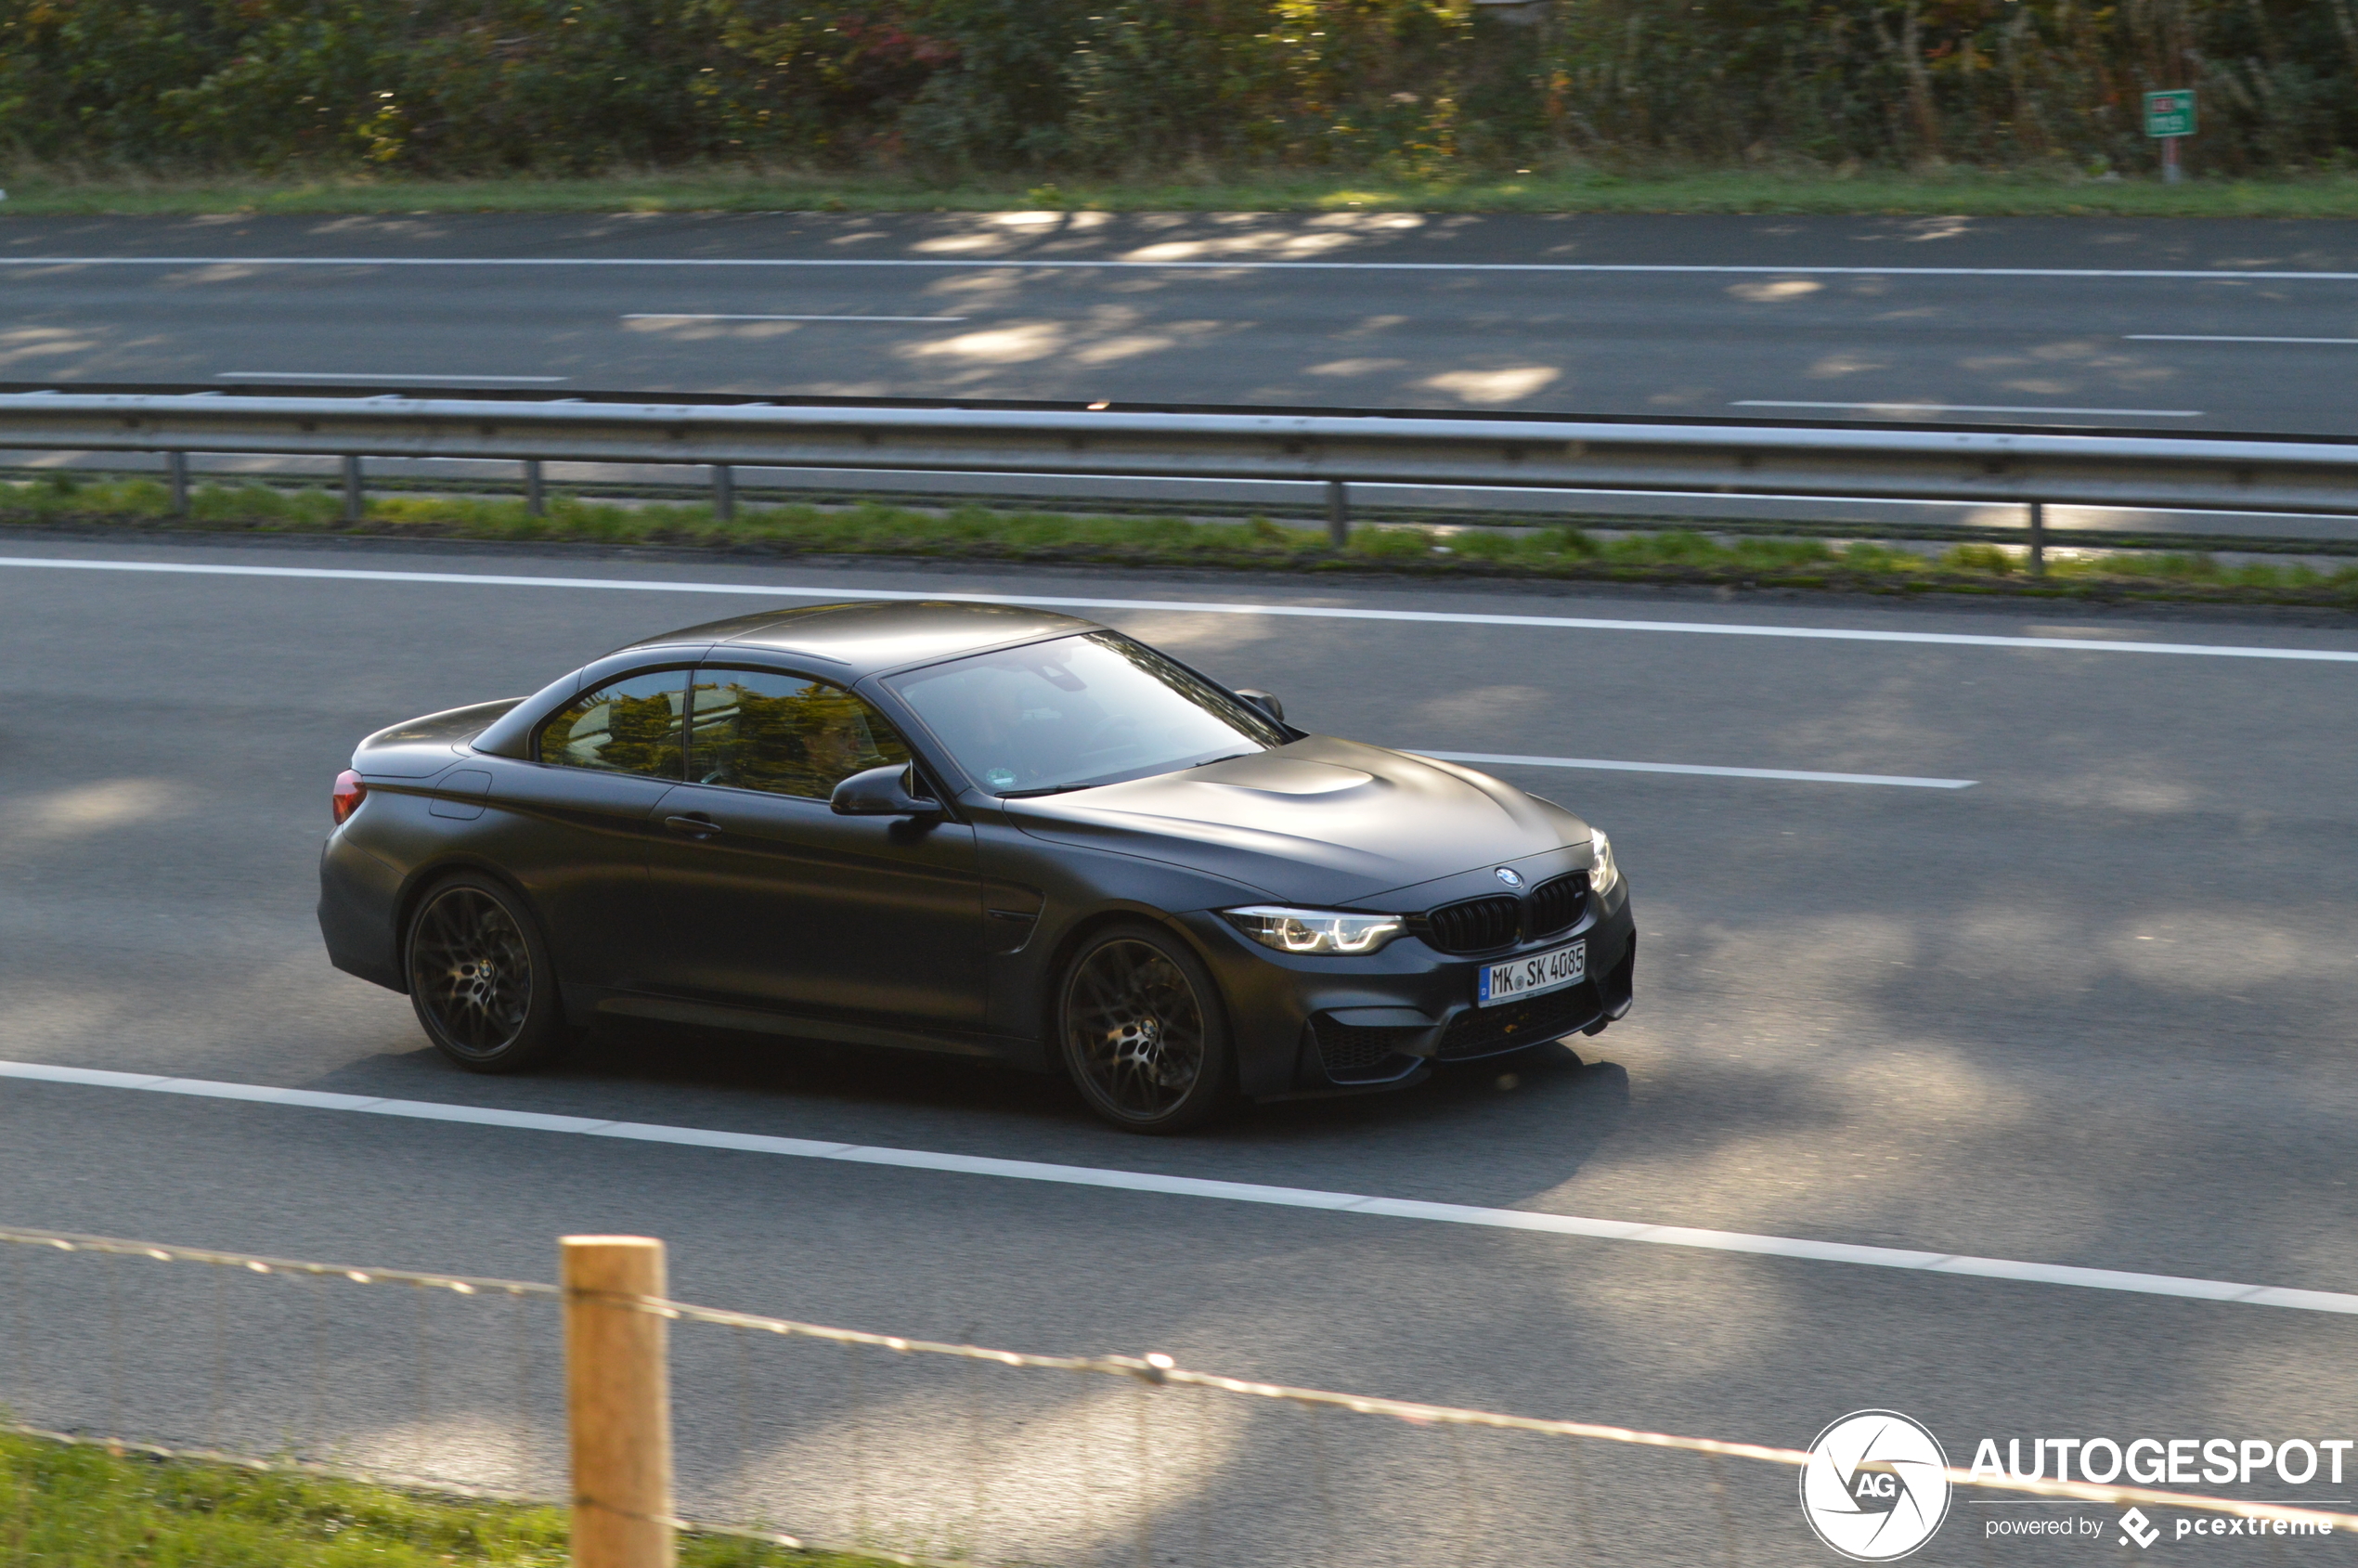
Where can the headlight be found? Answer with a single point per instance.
(1314, 930)
(1603, 875)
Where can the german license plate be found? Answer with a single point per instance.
(1519, 978)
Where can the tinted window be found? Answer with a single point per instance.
(629, 726)
(1078, 711)
(756, 729)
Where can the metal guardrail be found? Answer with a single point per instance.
(2023, 467)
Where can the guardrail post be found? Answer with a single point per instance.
(1338, 513)
(355, 504)
(536, 499)
(724, 492)
(177, 465)
(618, 1404)
(2038, 539)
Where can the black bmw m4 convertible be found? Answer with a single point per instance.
(969, 828)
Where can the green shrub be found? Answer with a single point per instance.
(1979, 558)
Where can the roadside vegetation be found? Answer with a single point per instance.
(1710, 105)
(1657, 186)
(980, 532)
(75, 1506)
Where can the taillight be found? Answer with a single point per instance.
(348, 794)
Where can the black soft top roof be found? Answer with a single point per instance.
(863, 637)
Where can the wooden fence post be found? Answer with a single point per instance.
(618, 1404)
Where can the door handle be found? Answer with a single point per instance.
(694, 827)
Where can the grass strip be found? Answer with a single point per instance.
(79, 1507)
(1938, 191)
(978, 533)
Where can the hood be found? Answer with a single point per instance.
(1321, 821)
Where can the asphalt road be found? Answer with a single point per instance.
(2092, 1010)
(2210, 325)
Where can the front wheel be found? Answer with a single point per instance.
(1141, 1030)
(480, 978)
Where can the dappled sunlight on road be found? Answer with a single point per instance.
(688, 329)
(1769, 294)
(1018, 344)
(1509, 385)
(1633, 1310)
(996, 232)
(2121, 785)
(1843, 363)
(1109, 351)
(943, 1457)
(22, 345)
(1354, 366)
(1106, 335)
(89, 809)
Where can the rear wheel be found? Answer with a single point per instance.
(480, 978)
(1141, 1031)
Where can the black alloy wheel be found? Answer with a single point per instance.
(480, 978)
(1142, 1032)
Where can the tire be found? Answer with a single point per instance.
(1141, 1031)
(480, 977)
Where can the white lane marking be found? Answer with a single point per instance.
(1963, 408)
(1192, 606)
(692, 315)
(1495, 760)
(1932, 1262)
(2220, 337)
(1236, 264)
(365, 376)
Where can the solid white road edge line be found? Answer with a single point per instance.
(1963, 408)
(368, 376)
(1195, 1186)
(1235, 264)
(1492, 758)
(1191, 606)
(694, 316)
(2221, 337)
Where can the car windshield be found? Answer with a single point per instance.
(1077, 712)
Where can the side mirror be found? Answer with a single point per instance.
(880, 792)
(1264, 701)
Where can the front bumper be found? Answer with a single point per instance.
(1310, 1025)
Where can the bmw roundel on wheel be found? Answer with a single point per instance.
(971, 828)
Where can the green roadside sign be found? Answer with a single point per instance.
(2170, 113)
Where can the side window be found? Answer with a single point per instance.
(757, 728)
(631, 727)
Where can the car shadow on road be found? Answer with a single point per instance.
(1510, 1125)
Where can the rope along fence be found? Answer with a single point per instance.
(808, 1436)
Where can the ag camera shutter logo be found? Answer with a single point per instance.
(1876, 1486)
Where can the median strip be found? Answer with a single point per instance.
(1191, 606)
(1801, 1249)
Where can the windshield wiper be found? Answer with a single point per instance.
(1100, 784)
(1051, 789)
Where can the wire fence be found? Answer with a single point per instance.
(807, 1435)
